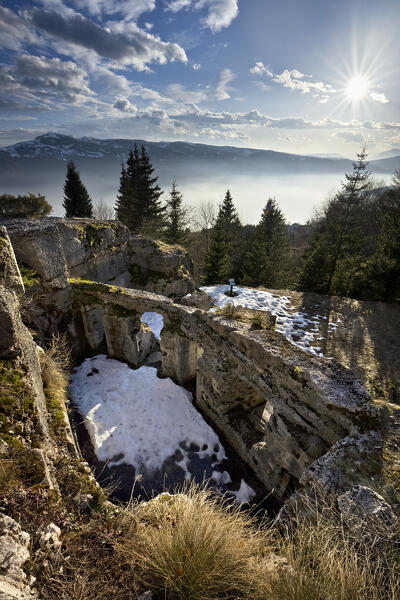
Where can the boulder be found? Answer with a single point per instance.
(14, 552)
(367, 514)
(198, 299)
(50, 538)
(10, 277)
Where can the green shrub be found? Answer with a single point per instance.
(29, 205)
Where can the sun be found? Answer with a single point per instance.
(357, 88)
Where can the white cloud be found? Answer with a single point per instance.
(122, 42)
(177, 5)
(296, 80)
(220, 13)
(379, 97)
(263, 86)
(128, 9)
(182, 95)
(260, 69)
(124, 105)
(223, 89)
(14, 31)
(196, 66)
(350, 136)
(47, 80)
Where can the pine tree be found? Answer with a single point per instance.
(222, 260)
(228, 215)
(138, 205)
(176, 221)
(148, 192)
(77, 202)
(267, 259)
(125, 207)
(218, 260)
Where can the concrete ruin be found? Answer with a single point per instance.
(293, 418)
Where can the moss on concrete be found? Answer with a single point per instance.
(93, 232)
(29, 276)
(16, 399)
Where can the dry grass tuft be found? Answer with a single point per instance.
(55, 364)
(257, 319)
(326, 561)
(192, 545)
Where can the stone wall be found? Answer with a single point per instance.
(280, 408)
(58, 249)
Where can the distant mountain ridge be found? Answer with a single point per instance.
(64, 147)
(201, 170)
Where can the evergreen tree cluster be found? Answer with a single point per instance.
(138, 203)
(260, 258)
(355, 250)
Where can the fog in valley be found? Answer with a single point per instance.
(297, 195)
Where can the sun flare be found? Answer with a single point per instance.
(357, 88)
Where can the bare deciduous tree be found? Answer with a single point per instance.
(103, 211)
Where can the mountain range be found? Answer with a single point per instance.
(38, 165)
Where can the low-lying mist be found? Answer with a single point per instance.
(297, 195)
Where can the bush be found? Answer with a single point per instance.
(55, 364)
(195, 546)
(29, 205)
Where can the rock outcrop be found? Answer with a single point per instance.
(99, 251)
(14, 553)
(10, 277)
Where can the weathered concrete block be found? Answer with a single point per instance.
(179, 357)
(128, 339)
(10, 276)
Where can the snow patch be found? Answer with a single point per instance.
(155, 321)
(135, 418)
(298, 327)
(244, 493)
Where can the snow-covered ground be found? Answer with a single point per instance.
(298, 327)
(155, 321)
(134, 417)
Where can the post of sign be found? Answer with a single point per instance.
(231, 284)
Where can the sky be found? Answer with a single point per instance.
(301, 76)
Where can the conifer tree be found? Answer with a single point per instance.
(340, 244)
(223, 256)
(125, 207)
(77, 202)
(218, 260)
(229, 216)
(148, 192)
(176, 221)
(138, 205)
(267, 258)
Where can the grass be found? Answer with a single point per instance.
(193, 546)
(257, 319)
(16, 401)
(55, 364)
(29, 276)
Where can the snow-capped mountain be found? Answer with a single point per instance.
(203, 172)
